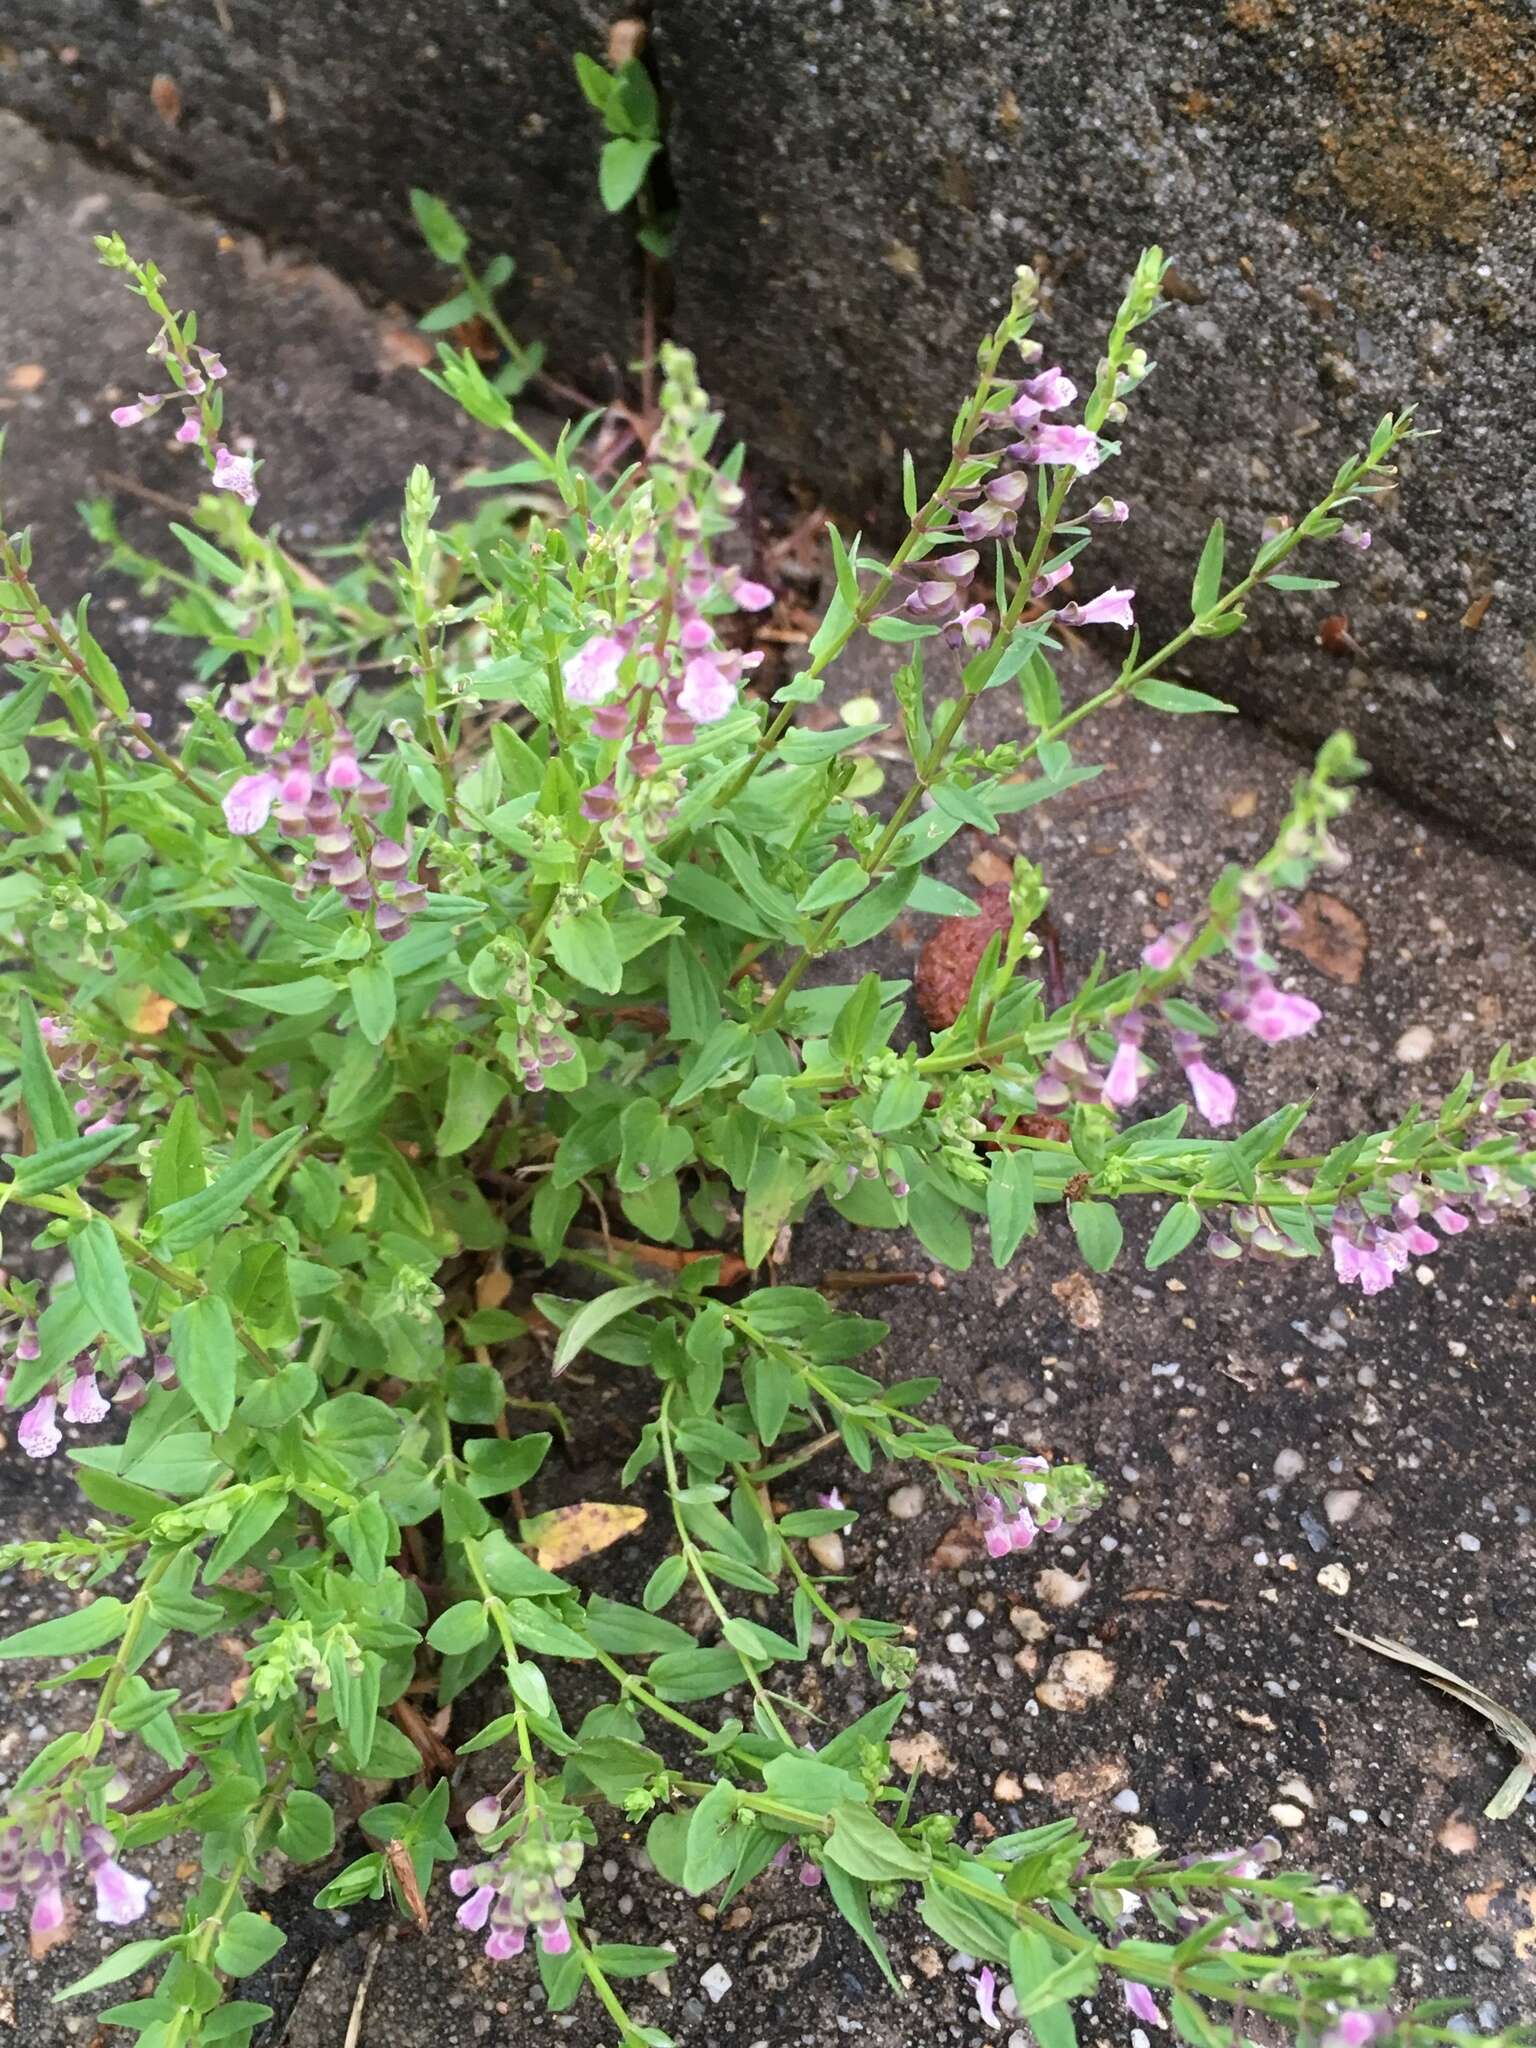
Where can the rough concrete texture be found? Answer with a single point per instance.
(1346, 191)
(311, 123)
(1182, 1388)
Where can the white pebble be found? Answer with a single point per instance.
(715, 1982)
(905, 1504)
(1289, 1464)
(1334, 1578)
(1416, 1043)
(1340, 1503)
(1467, 1541)
(1126, 1802)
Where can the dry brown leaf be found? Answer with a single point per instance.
(402, 348)
(961, 1544)
(1477, 611)
(1332, 936)
(1081, 1300)
(404, 1873)
(990, 868)
(493, 1287)
(1244, 804)
(151, 1014)
(25, 377)
(165, 98)
(567, 1535)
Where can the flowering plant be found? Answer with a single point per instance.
(347, 995)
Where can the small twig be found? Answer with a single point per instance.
(355, 2022)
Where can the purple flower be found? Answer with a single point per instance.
(38, 1433)
(1003, 1531)
(1141, 2004)
(1356, 537)
(47, 1911)
(149, 403)
(121, 1897)
(748, 596)
(484, 1815)
(190, 430)
(248, 803)
(1108, 512)
(235, 473)
(476, 1909)
(505, 1943)
(592, 672)
(1051, 390)
(1450, 1220)
(985, 1988)
(1110, 608)
(1167, 947)
(1354, 2029)
(970, 628)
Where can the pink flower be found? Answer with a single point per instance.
(1108, 512)
(748, 596)
(592, 672)
(810, 1874)
(38, 1433)
(1356, 537)
(129, 415)
(1123, 1083)
(484, 1815)
(506, 1942)
(985, 1988)
(556, 1940)
(121, 1897)
(342, 772)
(1166, 948)
(708, 692)
(248, 803)
(1141, 2004)
(190, 430)
(85, 1402)
(1109, 608)
(1273, 1015)
(1215, 1096)
(1062, 446)
(235, 473)
(1051, 391)
(47, 1911)
(476, 1909)
(1450, 1220)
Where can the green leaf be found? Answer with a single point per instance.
(219, 565)
(497, 1466)
(839, 883)
(774, 1185)
(459, 1628)
(308, 1827)
(177, 1169)
(850, 1895)
(439, 230)
(621, 170)
(304, 997)
(123, 1962)
(70, 1635)
(585, 948)
(1207, 585)
(806, 1781)
(42, 1097)
(594, 1316)
(373, 997)
(664, 1583)
(710, 1854)
(625, 1631)
(1174, 697)
(18, 713)
(891, 628)
(203, 1215)
(1010, 1203)
(475, 1093)
(103, 1282)
(865, 1847)
(1179, 1226)
(246, 1943)
(207, 1353)
(67, 1163)
(1099, 1233)
(901, 1101)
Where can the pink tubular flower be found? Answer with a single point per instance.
(555, 1940)
(1107, 512)
(505, 1943)
(1110, 608)
(1167, 947)
(1450, 1220)
(47, 1911)
(1062, 447)
(190, 430)
(985, 1988)
(121, 1896)
(248, 803)
(149, 403)
(38, 1433)
(85, 1402)
(1355, 2029)
(1215, 1096)
(748, 596)
(1123, 1083)
(708, 692)
(1141, 2004)
(476, 1909)
(1356, 537)
(235, 473)
(592, 672)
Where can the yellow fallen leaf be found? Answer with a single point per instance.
(151, 1014)
(567, 1535)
